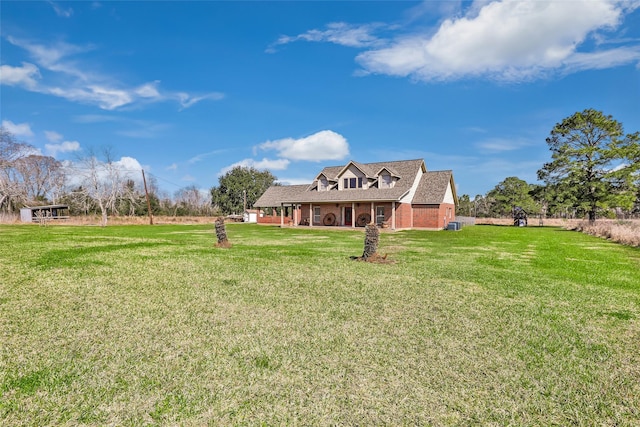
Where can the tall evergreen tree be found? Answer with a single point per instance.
(593, 161)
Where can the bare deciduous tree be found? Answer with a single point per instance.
(102, 181)
(25, 176)
(42, 177)
(192, 201)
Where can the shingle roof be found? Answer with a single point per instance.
(432, 188)
(277, 193)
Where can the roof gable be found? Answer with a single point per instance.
(433, 187)
(362, 168)
(392, 172)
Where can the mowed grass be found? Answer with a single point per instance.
(153, 325)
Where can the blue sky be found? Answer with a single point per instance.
(187, 90)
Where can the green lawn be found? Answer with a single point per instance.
(153, 325)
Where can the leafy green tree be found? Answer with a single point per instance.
(554, 201)
(510, 193)
(238, 183)
(593, 162)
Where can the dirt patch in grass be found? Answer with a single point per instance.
(374, 259)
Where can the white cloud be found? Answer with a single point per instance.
(275, 164)
(52, 136)
(339, 33)
(505, 40)
(19, 76)
(18, 129)
(294, 181)
(105, 98)
(202, 156)
(52, 57)
(64, 147)
(172, 167)
(187, 100)
(127, 168)
(76, 81)
(496, 145)
(323, 145)
(129, 164)
(602, 60)
(149, 90)
(63, 13)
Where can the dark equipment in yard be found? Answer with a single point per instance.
(519, 217)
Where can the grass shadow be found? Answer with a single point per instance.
(81, 256)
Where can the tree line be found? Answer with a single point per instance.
(594, 172)
(95, 184)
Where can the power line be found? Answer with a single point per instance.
(165, 180)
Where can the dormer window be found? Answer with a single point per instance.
(386, 181)
(323, 184)
(352, 182)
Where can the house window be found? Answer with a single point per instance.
(322, 184)
(379, 214)
(386, 181)
(352, 182)
(316, 214)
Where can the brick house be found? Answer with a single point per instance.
(397, 195)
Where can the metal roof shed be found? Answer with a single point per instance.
(38, 213)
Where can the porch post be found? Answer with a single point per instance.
(393, 215)
(281, 215)
(353, 214)
(373, 214)
(310, 214)
(295, 215)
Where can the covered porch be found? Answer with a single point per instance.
(342, 214)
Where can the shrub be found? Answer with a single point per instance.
(624, 232)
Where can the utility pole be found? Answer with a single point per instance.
(146, 192)
(244, 198)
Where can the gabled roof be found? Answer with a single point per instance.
(361, 167)
(388, 169)
(328, 178)
(433, 188)
(405, 170)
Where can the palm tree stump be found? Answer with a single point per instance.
(221, 233)
(371, 239)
